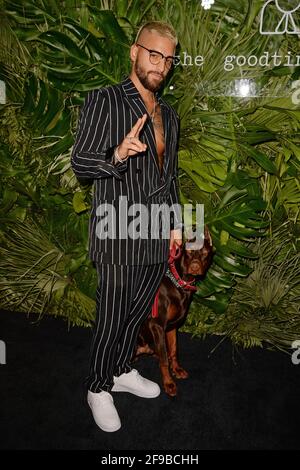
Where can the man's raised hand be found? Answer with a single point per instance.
(131, 145)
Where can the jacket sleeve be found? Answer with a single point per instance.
(176, 216)
(92, 158)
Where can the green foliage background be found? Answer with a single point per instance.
(238, 156)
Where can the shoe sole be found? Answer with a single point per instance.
(103, 427)
(124, 389)
(107, 429)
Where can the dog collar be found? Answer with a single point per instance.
(173, 275)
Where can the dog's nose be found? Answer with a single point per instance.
(195, 268)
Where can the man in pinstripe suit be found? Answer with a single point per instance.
(127, 143)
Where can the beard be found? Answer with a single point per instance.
(145, 80)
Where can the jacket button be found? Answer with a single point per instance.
(138, 171)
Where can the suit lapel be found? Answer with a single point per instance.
(166, 123)
(136, 103)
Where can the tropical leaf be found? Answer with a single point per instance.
(36, 276)
(234, 224)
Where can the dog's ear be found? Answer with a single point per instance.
(189, 234)
(207, 235)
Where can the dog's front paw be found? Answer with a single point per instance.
(170, 388)
(179, 372)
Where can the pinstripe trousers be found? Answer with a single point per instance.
(124, 298)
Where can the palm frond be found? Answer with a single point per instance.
(35, 278)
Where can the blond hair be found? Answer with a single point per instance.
(160, 27)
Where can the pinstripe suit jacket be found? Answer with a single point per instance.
(107, 116)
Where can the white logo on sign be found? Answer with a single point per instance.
(284, 22)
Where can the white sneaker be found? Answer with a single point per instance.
(133, 382)
(104, 411)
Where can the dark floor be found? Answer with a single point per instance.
(246, 401)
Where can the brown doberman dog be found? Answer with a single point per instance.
(158, 334)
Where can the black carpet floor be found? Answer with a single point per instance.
(246, 399)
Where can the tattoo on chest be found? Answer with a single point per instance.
(158, 124)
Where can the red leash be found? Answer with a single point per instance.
(186, 285)
(175, 253)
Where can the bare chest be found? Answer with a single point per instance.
(158, 128)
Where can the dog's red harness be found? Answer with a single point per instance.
(175, 253)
